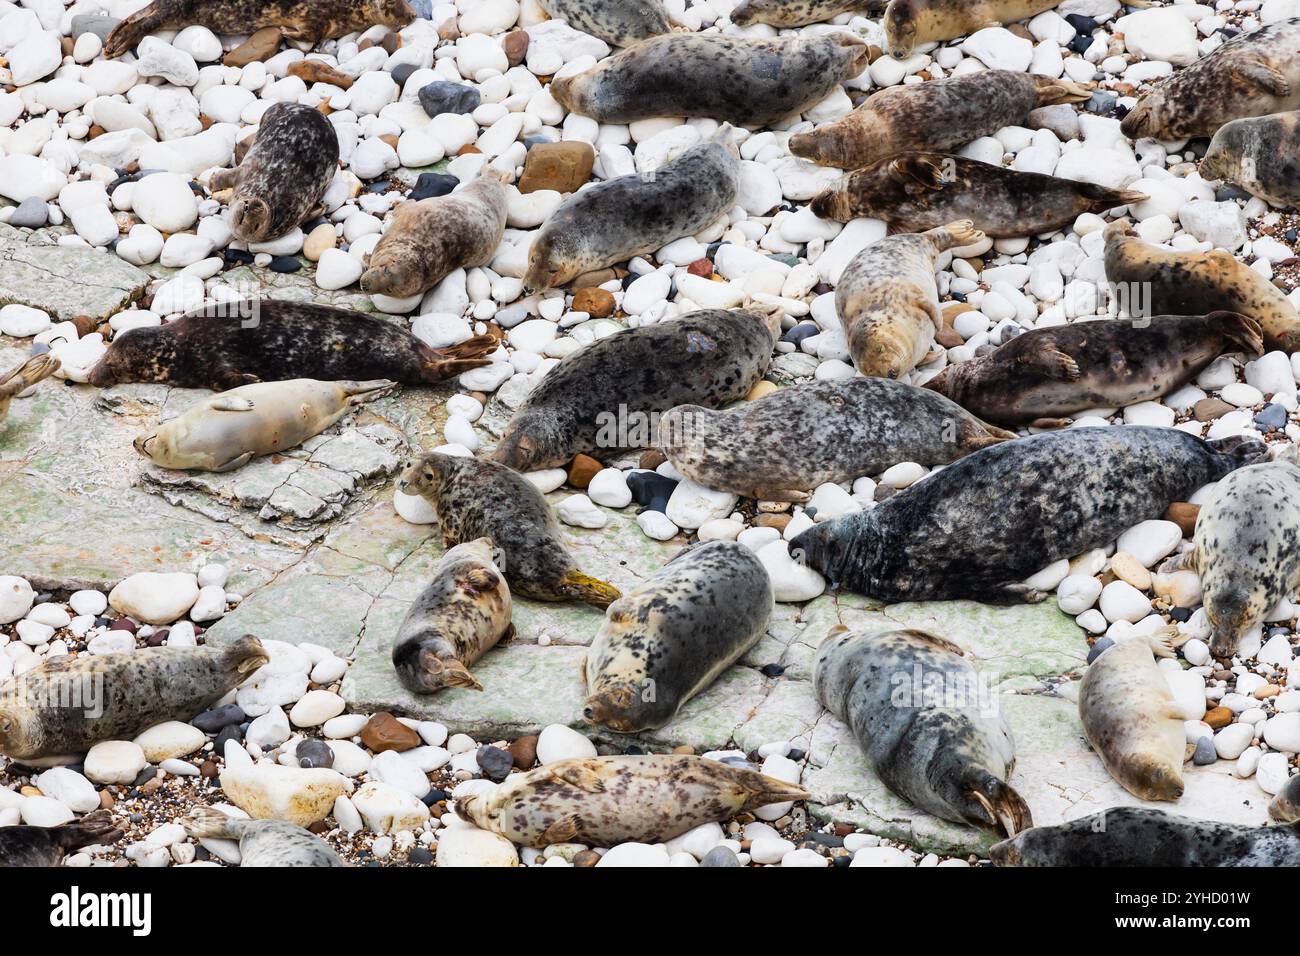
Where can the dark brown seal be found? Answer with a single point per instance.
(271, 340)
(915, 192)
(1044, 374)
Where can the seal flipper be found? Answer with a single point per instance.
(442, 364)
(1186, 561)
(479, 580)
(1051, 423)
(1238, 328)
(1052, 92)
(919, 169)
(1101, 198)
(563, 830)
(223, 179)
(577, 775)
(1052, 362)
(1007, 810)
(134, 29)
(234, 463)
(229, 404)
(97, 827)
(224, 378)
(1014, 593)
(1261, 74)
(780, 494)
(584, 587)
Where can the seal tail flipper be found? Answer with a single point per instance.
(132, 30)
(954, 234)
(97, 827)
(1242, 449)
(244, 656)
(1052, 92)
(1186, 561)
(34, 370)
(207, 823)
(456, 674)
(1240, 329)
(1006, 809)
(780, 494)
(761, 790)
(442, 364)
(358, 392)
(1102, 198)
(583, 587)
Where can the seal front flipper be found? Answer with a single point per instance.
(1015, 593)
(223, 179)
(1240, 329)
(1268, 77)
(234, 463)
(577, 775)
(918, 170)
(97, 827)
(231, 405)
(1052, 362)
(480, 580)
(563, 830)
(1180, 562)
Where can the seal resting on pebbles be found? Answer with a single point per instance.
(1194, 283)
(781, 445)
(631, 215)
(939, 116)
(909, 23)
(604, 801)
(476, 499)
(1006, 512)
(888, 302)
(457, 619)
(800, 13)
(1044, 374)
(914, 192)
(18, 380)
(122, 695)
(228, 431)
(271, 340)
(1131, 719)
(935, 744)
(1261, 155)
(1138, 836)
(428, 240)
(1285, 807)
(670, 638)
(609, 394)
(617, 22)
(47, 846)
(261, 842)
(734, 79)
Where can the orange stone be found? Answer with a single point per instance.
(262, 45)
(582, 470)
(318, 71)
(1218, 717)
(1183, 514)
(597, 303)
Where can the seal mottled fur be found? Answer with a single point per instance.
(262, 842)
(619, 22)
(800, 13)
(19, 379)
(909, 23)
(47, 846)
(1261, 155)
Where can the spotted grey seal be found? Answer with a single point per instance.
(234, 344)
(914, 192)
(632, 215)
(604, 801)
(116, 696)
(801, 13)
(1259, 154)
(609, 394)
(909, 23)
(47, 846)
(742, 81)
(1044, 374)
(1285, 806)
(988, 521)
(1138, 836)
(476, 499)
(670, 638)
(1193, 283)
(457, 619)
(619, 22)
(939, 116)
(913, 702)
(262, 842)
(778, 447)
(17, 380)
(1253, 74)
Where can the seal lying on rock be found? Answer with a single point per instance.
(428, 240)
(47, 846)
(1285, 807)
(781, 445)
(800, 13)
(1137, 836)
(1244, 549)
(18, 380)
(617, 22)
(1047, 373)
(270, 340)
(69, 704)
(909, 23)
(670, 638)
(1131, 719)
(228, 431)
(939, 116)
(279, 183)
(476, 499)
(914, 192)
(262, 842)
(310, 23)
(631, 215)
(726, 78)
(937, 745)
(1261, 155)
(609, 394)
(888, 301)
(604, 801)
(457, 619)
(1006, 512)
(1193, 283)
(1253, 74)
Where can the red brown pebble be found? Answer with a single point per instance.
(1183, 514)
(524, 752)
(582, 470)
(262, 45)
(318, 71)
(385, 732)
(563, 167)
(586, 858)
(597, 303)
(701, 267)
(515, 47)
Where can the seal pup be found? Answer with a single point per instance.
(785, 14)
(310, 23)
(457, 619)
(124, 694)
(1244, 549)
(1131, 719)
(1194, 283)
(914, 192)
(957, 110)
(617, 22)
(670, 638)
(604, 801)
(781, 445)
(268, 340)
(1253, 74)
(229, 430)
(18, 380)
(429, 239)
(47, 846)
(631, 215)
(1044, 374)
(734, 79)
(1285, 807)
(261, 842)
(1007, 511)
(1139, 836)
(712, 358)
(1261, 155)
(943, 752)
(476, 499)
(888, 302)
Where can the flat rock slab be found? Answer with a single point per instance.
(65, 281)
